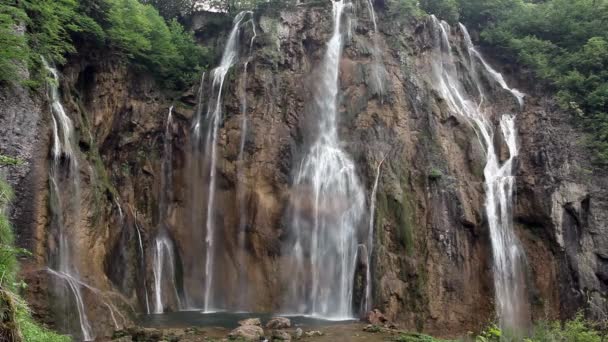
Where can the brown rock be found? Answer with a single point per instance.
(247, 333)
(281, 335)
(278, 323)
(251, 321)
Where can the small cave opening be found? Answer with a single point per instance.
(86, 84)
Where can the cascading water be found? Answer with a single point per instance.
(163, 260)
(370, 239)
(508, 257)
(325, 243)
(142, 258)
(163, 253)
(241, 193)
(65, 203)
(378, 70)
(74, 283)
(214, 119)
(493, 73)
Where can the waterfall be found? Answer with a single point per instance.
(508, 257)
(65, 200)
(163, 260)
(142, 257)
(214, 119)
(493, 73)
(370, 239)
(163, 254)
(326, 234)
(74, 283)
(241, 193)
(378, 70)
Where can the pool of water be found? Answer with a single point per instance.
(228, 320)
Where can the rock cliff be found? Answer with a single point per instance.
(431, 266)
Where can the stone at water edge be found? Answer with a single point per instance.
(280, 335)
(313, 333)
(375, 317)
(278, 323)
(298, 333)
(251, 321)
(247, 333)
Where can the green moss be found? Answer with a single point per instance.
(416, 337)
(6, 160)
(435, 174)
(405, 218)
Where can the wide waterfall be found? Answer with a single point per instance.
(508, 257)
(329, 204)
(163, 252)
(65, 208)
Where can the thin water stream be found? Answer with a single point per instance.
(65, 192)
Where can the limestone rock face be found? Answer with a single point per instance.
(431, 261)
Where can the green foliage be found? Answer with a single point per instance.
(404, 8)
(15, 314)
(435, 174)
(445, 9)
(415, 337)
(33, 332)
(6, 160)
(575, 330)
(14, 46)
(135, 30)
(565, 42)
(491, 334)
(8, 260)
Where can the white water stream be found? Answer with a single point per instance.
(508, 257)
(370, 239)
(163, 252)
(214, 118)
(326, 236)
(65, 203)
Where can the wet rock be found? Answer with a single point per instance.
(281, 335)
(298, 333)
(278, 323)
(372, 328)
(247, 333)
(313, 333)
(251, 321)
(377, 318)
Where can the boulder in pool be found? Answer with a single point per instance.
(247, 333)
(251, 321)
(278, 323)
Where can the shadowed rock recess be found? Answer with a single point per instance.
(141, 239)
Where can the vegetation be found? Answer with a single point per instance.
(135, 31)
(16, 322)
(575, 330)
(6, 160)
(564, 42)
